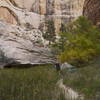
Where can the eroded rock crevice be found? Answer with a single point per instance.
(92, 10)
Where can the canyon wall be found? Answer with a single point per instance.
(92, 10)
(35, 12)
(10, 12)
(7, 15)
(62, 11)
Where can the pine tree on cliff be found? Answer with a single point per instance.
(50, 31)
(63, 28)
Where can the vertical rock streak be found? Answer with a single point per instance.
(92, 10)
(60, 11)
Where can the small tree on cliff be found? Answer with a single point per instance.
(50, 31)
(63, 28)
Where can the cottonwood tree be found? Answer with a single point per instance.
(50, 31)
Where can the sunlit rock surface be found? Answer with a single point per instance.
(21, 40)
(35, 12)
(18, 46)
(26, 4)
(13, 14)
(68, 92)
(62, 11)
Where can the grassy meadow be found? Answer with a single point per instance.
(36, 83)
(39, 83)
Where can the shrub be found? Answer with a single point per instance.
(80, 42)
(50, 31)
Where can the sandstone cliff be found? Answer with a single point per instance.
(21, 46)
(35, 12)
(92, 10)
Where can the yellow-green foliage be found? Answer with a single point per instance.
(81, 42)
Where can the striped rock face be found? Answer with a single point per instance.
(61, 11)
(23, 3)
(33, 12)
(92, 10)
(11, 13)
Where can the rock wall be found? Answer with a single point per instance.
(62, 11)
(92, 10)
(34, 12)
(7, 15)
(23, 17)
(19, 46)
(23, 3)
(21, 41)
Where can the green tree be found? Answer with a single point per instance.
(63, 28)
(50, 31)
(80, 42)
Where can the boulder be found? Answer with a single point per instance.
(66, 65)
(22, 46)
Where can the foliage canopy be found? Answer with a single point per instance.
(79, 42)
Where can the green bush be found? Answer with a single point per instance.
(79, 43)
(50, 31)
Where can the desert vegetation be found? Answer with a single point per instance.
(79, 45)
(79, 42)
(40, 82)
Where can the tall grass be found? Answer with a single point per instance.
(85, 80)
(36, 83)
(39, 83)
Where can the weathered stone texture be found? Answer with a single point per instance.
(92, 10)
(23, 16)
(21, 46)
(33, 12)
(7, 16)
(26, 4)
